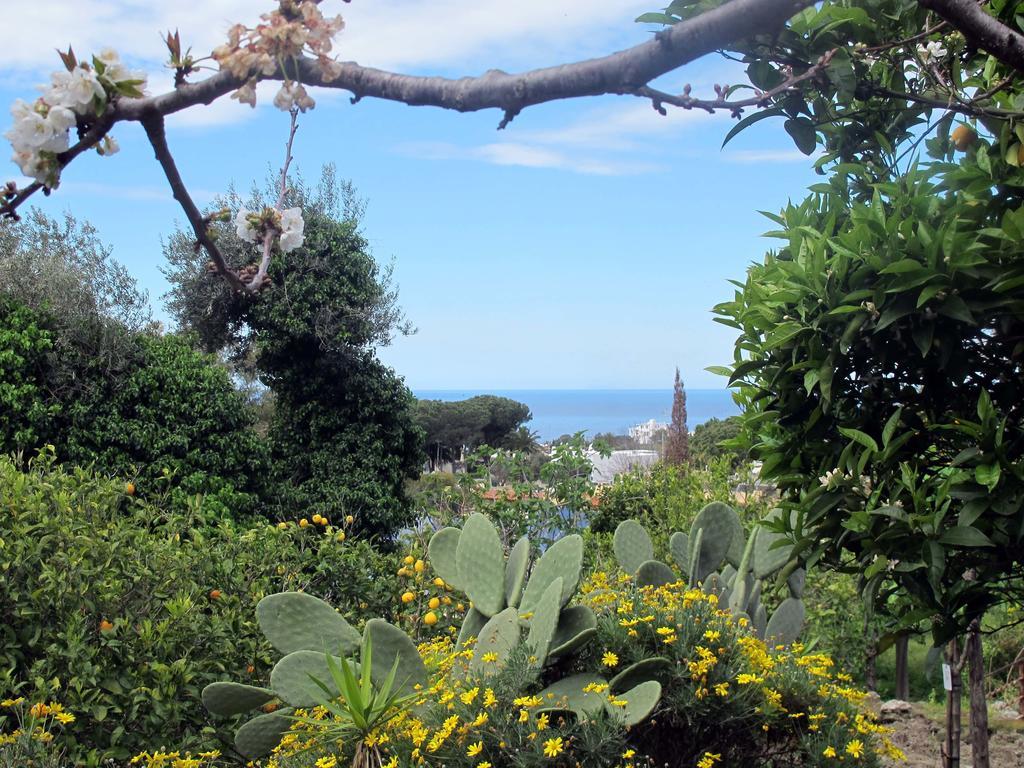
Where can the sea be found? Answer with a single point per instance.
(558, 412)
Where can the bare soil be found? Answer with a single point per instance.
(920, 736)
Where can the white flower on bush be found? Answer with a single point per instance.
(292, 227)
(932, 51)
(244, 227)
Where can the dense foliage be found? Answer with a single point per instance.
(879, 349)
(122, 610)
(342, 438)
(26, 408)
(171, 420)
(453, 427)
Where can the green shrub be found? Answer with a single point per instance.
(171, 420)
(667, 498)
(123, 611)
(24, 346)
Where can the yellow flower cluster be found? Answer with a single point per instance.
(161, 759)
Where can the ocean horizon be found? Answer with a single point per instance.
(558, 412)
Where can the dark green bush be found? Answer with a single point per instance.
(77, 552)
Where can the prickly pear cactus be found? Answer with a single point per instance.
(563, 559)
(295, 621)
(305, 629)
(632, 546)
(480, 560)
(441, 551)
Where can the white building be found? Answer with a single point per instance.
(644, 433)
(606, 468)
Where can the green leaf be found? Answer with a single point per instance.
(748, 121)
(860, 437)
(803, 134)
(987, 475)
(964, 536)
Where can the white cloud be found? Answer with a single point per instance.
(384, 33)
(511, 153)
(602, 141)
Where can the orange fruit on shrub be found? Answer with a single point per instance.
(964, 137)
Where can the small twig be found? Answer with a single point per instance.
(153, 123)
(761, 99)
(268, 238)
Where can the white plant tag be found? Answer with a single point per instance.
(947, 677)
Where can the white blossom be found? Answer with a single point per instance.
(932, 51)
(75, 89)
(109, 146)
(246, 94)
(293, 95)
(243, 227)
(292, 227)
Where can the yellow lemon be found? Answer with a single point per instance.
(341, 536)
(408, 560)
(434, 603)
(438, 582)
(430, 619)
(303, 523)
(408, 597)
(420, 565)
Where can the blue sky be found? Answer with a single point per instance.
(582, 247)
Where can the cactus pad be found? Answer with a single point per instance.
(259, 736)
(719, 523)
(632, 546)
(760, 621)
(292, 678)
(441, 552)
(544, 622)
(387, 643)
(562, 559)
(772, 550)
(515, 571)
(796, 581)
(576, 626)
(568, 693)
(234, 698)
(785, 624)
(654, 573)
(481, 563)
(498, 636)
(679, 546)
(640, 702)
(472, 623)
(646, 669)
(295, 621)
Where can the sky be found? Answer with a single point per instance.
(582, 247)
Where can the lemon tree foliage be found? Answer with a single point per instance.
(879, 348)
(123, 610)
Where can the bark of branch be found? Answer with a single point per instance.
(153, 123)
(982, 29)
(619, 73)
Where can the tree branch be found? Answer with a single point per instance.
(982, 29)
(153, 123)
(619, 73)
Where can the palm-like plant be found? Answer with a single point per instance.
(359, 708)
